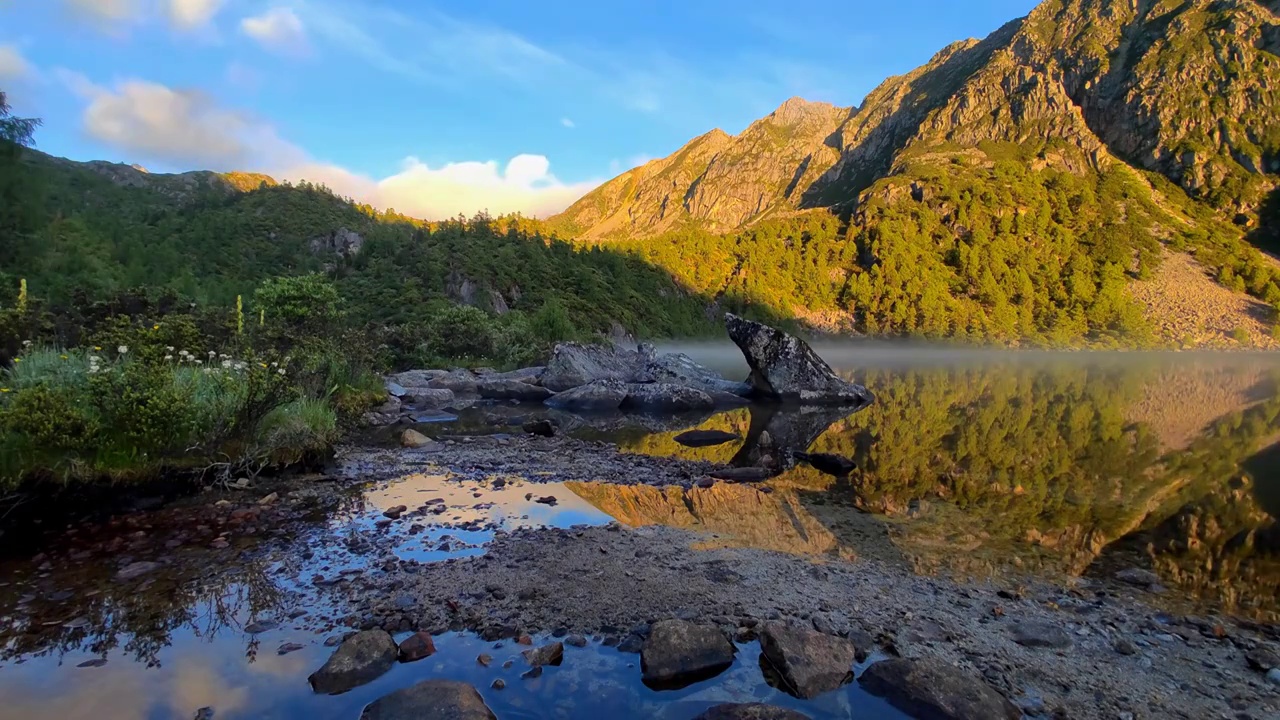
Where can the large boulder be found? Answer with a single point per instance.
(678, 653)
(575, 364)
(511, 389)
(360, 659)
(750, 711)
(807, 662)
(934, 689)
(595, 396)
(430, 700)
(681, 369)
(784, 368)
(428, 398)
(459, 381)
(528, 375)
(666, 397)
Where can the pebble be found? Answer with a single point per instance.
(498, 684)
(1273, 676)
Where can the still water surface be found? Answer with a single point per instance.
(969, 464)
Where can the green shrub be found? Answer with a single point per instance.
(297, 430)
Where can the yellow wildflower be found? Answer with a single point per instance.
(97, 347)
(64, 357)
(155, 327)
(4, 390)
(17, 360)
(263, 364)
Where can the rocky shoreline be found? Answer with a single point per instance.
(1088, 650)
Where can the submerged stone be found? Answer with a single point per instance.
(360, 659)
(678, 653)
(430, 700)
(808, 662)
(933, 689)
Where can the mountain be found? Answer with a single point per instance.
(1011, 189)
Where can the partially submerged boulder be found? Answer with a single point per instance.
(679, 653)
(705, 438)
(666, 397)
(595, 396)
(360, 659)
(934, 689)
(430, 700)
(785, 368)
(807, 662)
(574, 364)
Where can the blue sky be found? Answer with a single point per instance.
(444, 107)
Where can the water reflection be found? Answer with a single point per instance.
(1067, 466)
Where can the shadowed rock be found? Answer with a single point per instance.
(597, 396)
(430, 700)
(781, 432)
(705, 438)
(679, 653)
(360, 659)
(750, 711)
(551, 654)
(785, 368)
(666, 397)
(807, 662)
(681, 369)
(935, 690)
(511, 389)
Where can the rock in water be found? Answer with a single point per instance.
(666, 397)
(551, 654)
(705, 438)
(933, 689)
(511, 390)
(679, 653)
(784, 368)
(136, 569)
(595, 396)
(360, 659)
(827, 463)
(543, 427)
(681, 369)
(575, 364)
(750, 711)
(809, 662)
(417, 646)
(430, 700)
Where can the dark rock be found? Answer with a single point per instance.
(499, 684)
(1262, 658)
(632, 643)
(360, 659)
(574, 364)
(742, 474)
(680, 369)
(666, 397)
(808, 662)
(543, 427)
(289, 647)
(394, 513)
(532, 673)
(783, 367)
(1138, 576)
(511, 390)
(547, 500)
(415, 647)
(430, 700)
(827, 463)
(459, 381)
(1124, 647)
(679, 653)
(426, 398)
(551, 654)
(204, 713)
(595, 396)
(933, 689)
(705, 438)
(750, 711)
(96, 662)
(1033, 633)
(576, 641)
(529, 375)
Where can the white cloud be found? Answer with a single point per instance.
(192, 14)
(278, 29)
(13, 66)
(155, 123)
(567, 123)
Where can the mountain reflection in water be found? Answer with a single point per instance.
(1061, 464)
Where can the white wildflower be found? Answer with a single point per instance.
(26, 343)
(168, 357)
(275, 364)
(199, 361)
(226, 364)
(123, 349)
(281, 371)
(213, 353)
(168, 348)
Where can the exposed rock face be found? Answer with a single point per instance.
(430, 700)
(936, 690)
(808, 662)
(750, 711)
(360, 659)
(574, 364)
(666, 397)
(679, 653)
(681, 369)
(512, 390)
(341, 242)
(596, 396)
(784, 368)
